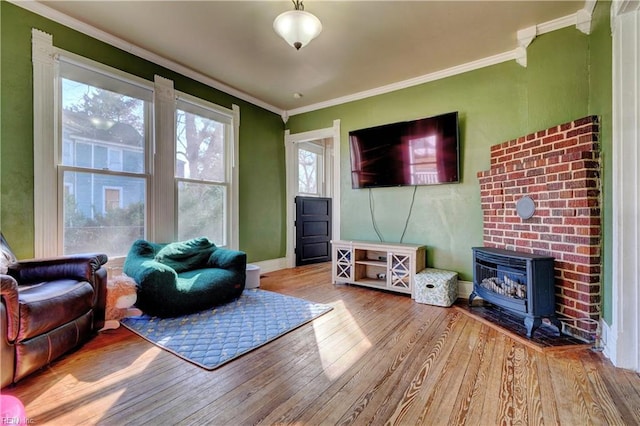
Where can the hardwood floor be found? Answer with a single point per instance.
(376, 358)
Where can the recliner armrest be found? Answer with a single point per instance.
(80, 267)
(9, 295)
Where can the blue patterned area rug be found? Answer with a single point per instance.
(216, 336)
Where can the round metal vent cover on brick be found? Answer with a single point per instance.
(525, 207)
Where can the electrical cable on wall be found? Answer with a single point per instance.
(373, 219)
(406, 223)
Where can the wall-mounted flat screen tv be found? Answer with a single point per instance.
(417, 152)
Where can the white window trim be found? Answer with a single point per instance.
(47, 208)
(231, 117)
(163, 224)
(162, 201)
(45, 191)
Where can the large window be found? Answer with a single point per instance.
(104, 130)
(203, 145)
(122, 158)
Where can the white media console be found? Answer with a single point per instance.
(379, 265)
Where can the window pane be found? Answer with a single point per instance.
(102, 212)
(84, 155)
(115, 159)
(96, 121)
(200, 147)
(201, 211)
(307, 172)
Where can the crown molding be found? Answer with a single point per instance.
(519, 54)
(49, 13)
(556, 24)
(525, 37)
(448, 72)
(584, 16)
(581, 19)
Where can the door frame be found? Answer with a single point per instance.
(332, 167)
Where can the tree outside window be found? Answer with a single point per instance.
(201, 174)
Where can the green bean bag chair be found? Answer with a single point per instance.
(184, 277)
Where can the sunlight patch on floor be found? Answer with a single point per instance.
(73, 388)
(96, 408)
(340, 348)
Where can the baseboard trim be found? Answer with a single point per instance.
(607, 340)
(271, 265)
(464, 289)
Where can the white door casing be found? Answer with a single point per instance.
(331, 135)
(622, 336)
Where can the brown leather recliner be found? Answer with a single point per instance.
(47, 308)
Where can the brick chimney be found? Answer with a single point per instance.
(559, 168)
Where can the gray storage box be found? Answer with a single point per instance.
(436, 287)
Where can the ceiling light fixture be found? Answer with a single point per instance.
(297, 27)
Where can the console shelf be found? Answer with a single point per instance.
(377, 265)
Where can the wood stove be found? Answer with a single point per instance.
(521, 282)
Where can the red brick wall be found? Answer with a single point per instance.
(559, 168)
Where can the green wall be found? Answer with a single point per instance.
(262, 186)
(495, 104)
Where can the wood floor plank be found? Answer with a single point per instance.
(369, 371)
(547, 397)
(442, 395)
(490, 405)
(417, 396)
(397, 367)
(228, 393)
(348, 342)
(473, 375)
(384, 401)
(479, 379)
(377, 358)
(572, 409)
(336, 369)
(621, 385)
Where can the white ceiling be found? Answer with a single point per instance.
(364, 45)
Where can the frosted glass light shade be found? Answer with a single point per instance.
(297, 27)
